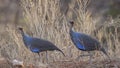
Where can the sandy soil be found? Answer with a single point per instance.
(64, 64)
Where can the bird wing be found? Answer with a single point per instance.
(39, 45)
(76, 41)
(35, 49)
(88, 42)
(42, 45)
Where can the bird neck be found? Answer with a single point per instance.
(71, 30)
(26, 39)
(24, 35)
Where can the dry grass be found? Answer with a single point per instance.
(44, 19)
(63, 64)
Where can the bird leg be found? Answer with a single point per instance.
(41, 60)
(39, 55)
(81, 56)
(91, 55)
(46, 57)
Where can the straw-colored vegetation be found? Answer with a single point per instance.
(48, 19)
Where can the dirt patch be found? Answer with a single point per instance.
(4, 63)
(85, 64)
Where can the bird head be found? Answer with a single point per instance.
(71, 22)
(20, 28)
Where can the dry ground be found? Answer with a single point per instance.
(83, 64)
(115, 63)
(48, 19)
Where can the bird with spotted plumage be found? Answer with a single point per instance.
(85, 42)
(37, 45)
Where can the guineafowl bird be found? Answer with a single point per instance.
(37, 45)
(84, 42)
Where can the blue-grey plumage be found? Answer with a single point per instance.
(37, 45)
(85, 42)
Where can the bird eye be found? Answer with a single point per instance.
(20, 28)
(71, 22)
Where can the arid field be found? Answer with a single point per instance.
(48, 19)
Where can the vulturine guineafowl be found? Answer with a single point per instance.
(37, 45)
(84, 42)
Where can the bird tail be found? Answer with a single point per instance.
(61, 51)
(103, 50)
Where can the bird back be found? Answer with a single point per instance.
(39, 45)
(84, 42)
